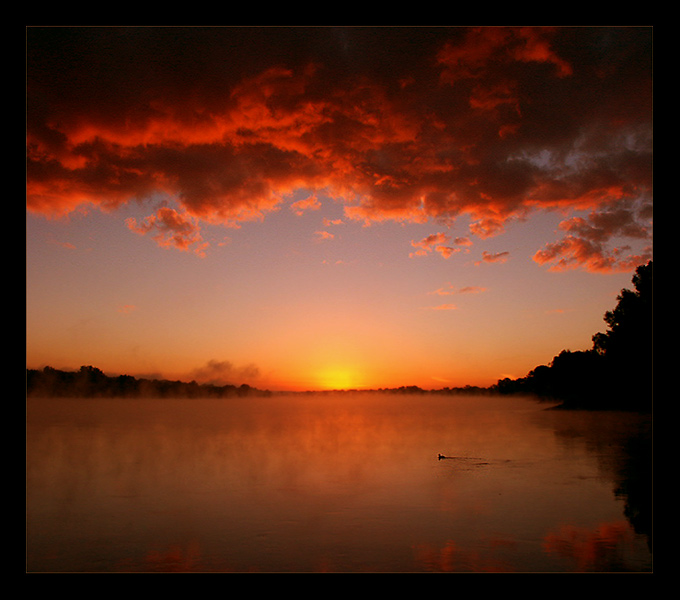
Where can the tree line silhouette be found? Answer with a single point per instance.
(617, 372)
(91, 382)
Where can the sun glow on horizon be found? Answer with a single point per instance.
(307, 222)
(339, 378)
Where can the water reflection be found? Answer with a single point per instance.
(329, 483)
(621, 442)
(454, 559)
(601, 549)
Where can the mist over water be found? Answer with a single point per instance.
(331, 482)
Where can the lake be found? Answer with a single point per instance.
(335, 483)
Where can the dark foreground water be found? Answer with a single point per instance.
(335, 483)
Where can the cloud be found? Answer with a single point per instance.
(323, 235)
(501, 46)
(586, 242)
(487, 227)
(170, 228)
(443, 307)
(493, 257)
(310, 203)
(66, 245)
(403, 124)
(443, 291)
(428, 243)
(600, 226)
(572, 252)
(450, 290)
(446, 251)
(435, 242)
(126, 309)
(223, 372)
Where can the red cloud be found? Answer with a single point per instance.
(310, 203)
(435, 242)
(534, 47)
(499, 46)
(491, 122)
(572, 252)
(450, 290)
(170, 229)
(444, 307)
(323, 235)
(585, 245)
(486, 227)
(493, 257)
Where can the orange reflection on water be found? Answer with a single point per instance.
(591, 549)
(312, 483)
(453, 558)
(175, 558)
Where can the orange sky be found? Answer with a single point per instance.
(332, 207)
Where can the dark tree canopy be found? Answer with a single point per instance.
(617, 372)
(91, 382)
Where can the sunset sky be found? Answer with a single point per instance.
(306, 208)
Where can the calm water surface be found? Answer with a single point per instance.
(337, 483)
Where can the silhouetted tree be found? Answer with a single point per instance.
(91, 382)
(616, 372)
(627, 345)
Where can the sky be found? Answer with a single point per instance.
(332, 207)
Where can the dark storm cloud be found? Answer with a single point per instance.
(400, 123)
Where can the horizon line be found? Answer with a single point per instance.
(412, 387)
